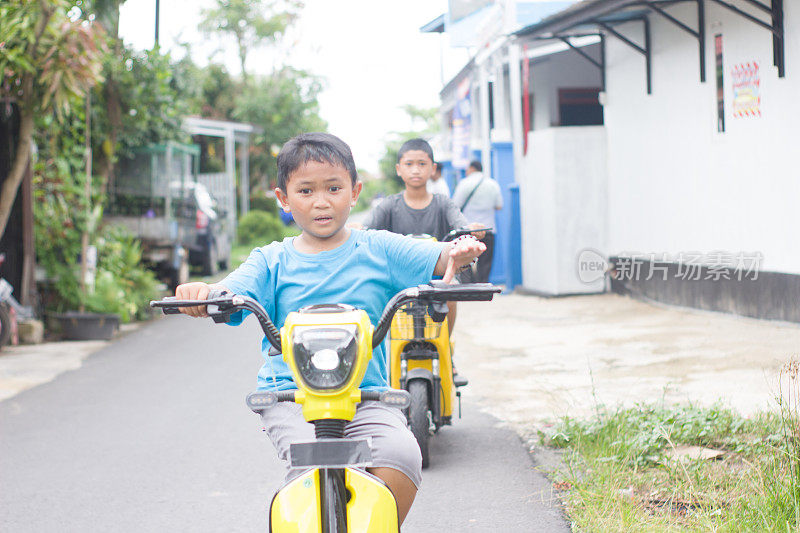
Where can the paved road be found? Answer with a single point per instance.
(151, 434)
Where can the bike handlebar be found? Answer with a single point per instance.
(220, 308)
(222, 305)
(436, 291)
(454, 234)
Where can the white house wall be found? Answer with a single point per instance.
(675, 184)
(563, 199)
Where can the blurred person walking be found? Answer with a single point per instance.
(478, 196)
(437, 184)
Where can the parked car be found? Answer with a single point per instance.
(203, 226)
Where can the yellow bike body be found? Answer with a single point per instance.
(421, 362)
(340, 402)
(298, 506)
(438, 335)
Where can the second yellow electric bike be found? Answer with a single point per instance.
(421, 361)
(327, 348)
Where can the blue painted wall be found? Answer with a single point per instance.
(514, 240)
(476, 155)
(502, 171)
(449, 175)
(507, 260)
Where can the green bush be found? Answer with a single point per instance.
(123, 286)
(262, 203)
(258, 228)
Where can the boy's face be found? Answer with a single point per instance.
(319, 196)
(415, 168)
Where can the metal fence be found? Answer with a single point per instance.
(150, 180)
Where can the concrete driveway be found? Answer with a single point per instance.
(531, 359)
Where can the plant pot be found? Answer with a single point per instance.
(77, 326)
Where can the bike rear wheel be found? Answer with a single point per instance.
(418, 417)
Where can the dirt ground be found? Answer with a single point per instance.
(531, 359)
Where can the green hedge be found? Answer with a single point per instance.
(258, 228)
(122, 285)
(262, 203)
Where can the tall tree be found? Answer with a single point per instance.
(107, 14)
(424, 123)
(48, 60)
(250, 22)
(284, 104)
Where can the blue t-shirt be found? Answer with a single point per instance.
(365, 272)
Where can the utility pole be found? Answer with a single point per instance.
(155, 45)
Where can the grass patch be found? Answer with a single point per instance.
(619, 475)
(239, 254)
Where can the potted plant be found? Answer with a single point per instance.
(93, 275)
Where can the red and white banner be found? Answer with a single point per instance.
(746, 81)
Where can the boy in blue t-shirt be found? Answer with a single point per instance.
(330, 263)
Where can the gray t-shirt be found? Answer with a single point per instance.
(437, 219)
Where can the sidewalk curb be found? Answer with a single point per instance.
(25, 366)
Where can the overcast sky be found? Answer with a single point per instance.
(370, 52)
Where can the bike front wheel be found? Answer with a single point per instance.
(334, 494)
(418, 418)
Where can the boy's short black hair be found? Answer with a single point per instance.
(477, 165)
(415, 144)
(316, 146)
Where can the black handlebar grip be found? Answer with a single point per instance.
(454, 234)
(468, 292)
(165, 302)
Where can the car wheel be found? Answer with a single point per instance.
(210, 261)
(5, 325)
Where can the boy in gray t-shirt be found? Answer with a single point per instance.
(415, 210)
(436, 219)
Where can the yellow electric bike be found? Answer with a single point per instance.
(421, 361)
(327, 348)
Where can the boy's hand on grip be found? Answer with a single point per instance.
(193, 291)
(464, 251)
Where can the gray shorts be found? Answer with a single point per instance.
(393, 445)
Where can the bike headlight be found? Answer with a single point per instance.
(325, 355)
